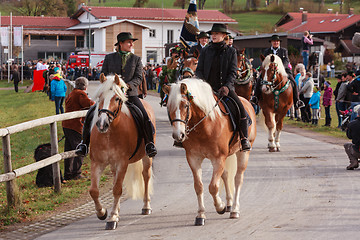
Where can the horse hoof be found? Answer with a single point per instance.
(272, 150)
(278, 149)
(111, 226)
(228, 208)
(199, 221)
(103, 217)
(234, 215)
(222, 211)
(146, 211)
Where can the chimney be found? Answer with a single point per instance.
(301, 10)
(337, 13)
(304, 16)
(113, 18)
(330, 10)
(351, 11)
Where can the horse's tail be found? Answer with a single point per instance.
(134, 182)
(230, 167)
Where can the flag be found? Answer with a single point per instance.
(4, 36)
(18, 36)
(190, 27)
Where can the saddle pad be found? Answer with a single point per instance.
(138, 118)
(233, 111)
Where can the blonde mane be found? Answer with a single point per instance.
(278, 61)
(107, 90)
(202, 96)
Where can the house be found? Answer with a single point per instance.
(45, 37)
(154, 27)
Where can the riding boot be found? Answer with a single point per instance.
(243, 131)
(82, 148)
(149, 132)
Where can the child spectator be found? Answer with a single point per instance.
(327, 102)
(314, 104)
(58, 90)
(328, 69)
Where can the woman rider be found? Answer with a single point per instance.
(217, 66)
(123, 62)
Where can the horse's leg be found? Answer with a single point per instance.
(270, 123)
(96, 170)
(119, 175)
(229, 196)
(279, 125)
(218, 169)
(195, 166)
(242, 161)
(147, 162)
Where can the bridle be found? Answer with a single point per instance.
(272, 83)
(110, 114)
(241, 70)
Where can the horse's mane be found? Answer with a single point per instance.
(107, 90)
(202, 96)
(278, 61)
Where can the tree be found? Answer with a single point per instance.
(42, 7)
(179, 3)
(201, 4)
(139, 3)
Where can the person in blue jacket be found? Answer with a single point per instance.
(314, 104)
(58, 90)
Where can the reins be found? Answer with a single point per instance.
(110, 114)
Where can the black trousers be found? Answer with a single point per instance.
(72, 166)
(242, 121)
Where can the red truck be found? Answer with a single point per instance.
(82, 60)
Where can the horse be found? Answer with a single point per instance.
(113, 142)
(189, 66)
(244, 80)
(199, 121)
(276, 97)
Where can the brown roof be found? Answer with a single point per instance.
(318, 22)
(40, 22)
(154, 14)
(349, 47)
(54, 32)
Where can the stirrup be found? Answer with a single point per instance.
(245, 145)
(81, 149)
(300, 104)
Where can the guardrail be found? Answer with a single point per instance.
(10, 175)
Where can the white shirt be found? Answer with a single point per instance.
(38, 65)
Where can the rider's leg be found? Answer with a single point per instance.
(297, 102)
(148, 129)
(257, 91)
(82, 148)
(243, 123)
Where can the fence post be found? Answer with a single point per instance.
(54, 150)
(10, 185)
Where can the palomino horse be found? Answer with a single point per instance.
(113, 141)
(244, 80)
(276, 98)
(205, 132)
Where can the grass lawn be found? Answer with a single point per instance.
(5, 84)
(20, 107)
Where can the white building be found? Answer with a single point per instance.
(154, 27)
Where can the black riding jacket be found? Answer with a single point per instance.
(353, 132)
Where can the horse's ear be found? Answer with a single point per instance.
(166, 89)
(272, 58)
(262, 57)
(117, 80)
(183, 88)
(242, 51)
(102, 77)
(196, 53)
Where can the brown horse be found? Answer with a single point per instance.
(276, 98)
(113, 141)
(244, 80)
(205, 132)
(190, 64)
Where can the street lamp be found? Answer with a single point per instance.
(89, 10)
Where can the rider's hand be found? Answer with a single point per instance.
(223, 91)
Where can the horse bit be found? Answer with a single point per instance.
(110, 114)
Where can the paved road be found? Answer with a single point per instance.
(303, 192)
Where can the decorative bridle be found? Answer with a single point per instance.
(110, 114)
(239, 78)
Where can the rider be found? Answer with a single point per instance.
(283, 54)
(129, 66)
(203, 39)
(217, 66)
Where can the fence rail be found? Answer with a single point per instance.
(10, 175)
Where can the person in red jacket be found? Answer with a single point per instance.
(77, 100)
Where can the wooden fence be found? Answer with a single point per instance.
(10, 175)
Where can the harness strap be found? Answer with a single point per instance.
(277, 94)
(187, 69)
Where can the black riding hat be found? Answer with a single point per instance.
(275, 38)
(218, 27)
(123, 36)
(203, 34)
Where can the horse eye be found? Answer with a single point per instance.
(117, 99)
(111, 88)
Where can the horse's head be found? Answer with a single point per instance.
(188, 101)
(272, 72)
(110, 97)
(244, 67)
(190, 64)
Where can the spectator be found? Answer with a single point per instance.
(16, 77)
(39, 64)
(306, 91)
(58, 90)
(332, 67)
(314, 104)
(353, 149)
(300, 75)
(336, 91)
(354, 88)
(341, 95)
(327, 102)
(328, 69)
(77, 100)
(306, 42)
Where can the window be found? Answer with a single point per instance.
(152, 33)
(170, 36)
(151, 56)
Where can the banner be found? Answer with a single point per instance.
(18, 36)
(4, 36)
(190, 27)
